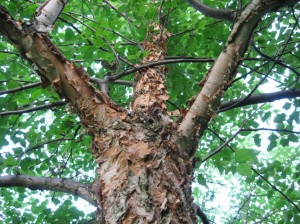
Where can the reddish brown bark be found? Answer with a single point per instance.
(144, 175)
(150, 89)
(145, 168)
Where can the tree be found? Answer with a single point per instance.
(87, 111)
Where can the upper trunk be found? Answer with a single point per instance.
(144, 175)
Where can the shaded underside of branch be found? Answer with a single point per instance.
(259, 98)
(53, 184)
(222, 14)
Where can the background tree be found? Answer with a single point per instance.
(86, 111)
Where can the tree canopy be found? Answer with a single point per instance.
(249, 150)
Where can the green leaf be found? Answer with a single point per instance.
(279, 118)
(244, 169)
(266, 116)
(196, 191)
(10, 161)
(293, 138)
(279, 204)
(297, 218)
(246, 155)
(284, 142)
(69, 34)
(257, 140)
(270, 194)
(273, 142)
(201, 180)
(287, 106)
(89, 54)
(25, 163)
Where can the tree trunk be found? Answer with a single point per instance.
(145, 161)
(143, 172)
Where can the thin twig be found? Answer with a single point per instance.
(42, 107)
(20, 88)
(120, 13)
(270, 129)
(156, 63)
(276, 189)
(231, 138)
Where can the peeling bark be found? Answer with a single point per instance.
(150, 89)
(145, 165)
(144, 175)
(220, 76)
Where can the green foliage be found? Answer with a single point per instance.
(90, 33)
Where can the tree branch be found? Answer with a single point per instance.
(260, 175)
(222, 14)
(20, 88)
(156, 63)
(53, 184)
(47, 14)
(220, 76)
(259, 98)
(271, 129)
(276, 61)
(276, 189)
(70, 82)
(120, 82)
(116, 10)
(202, 216)
(42, 107)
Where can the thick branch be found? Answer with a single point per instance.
(222, 14)
(53, 184)
(70, 82)
(260, 98)
(224, 70)
(47, 14)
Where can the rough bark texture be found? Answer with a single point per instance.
(144, 176)
(219, 78)
(145, 165)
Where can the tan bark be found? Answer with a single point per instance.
(219, 78)
(145, 165)
(150, 89)
(144, 176)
